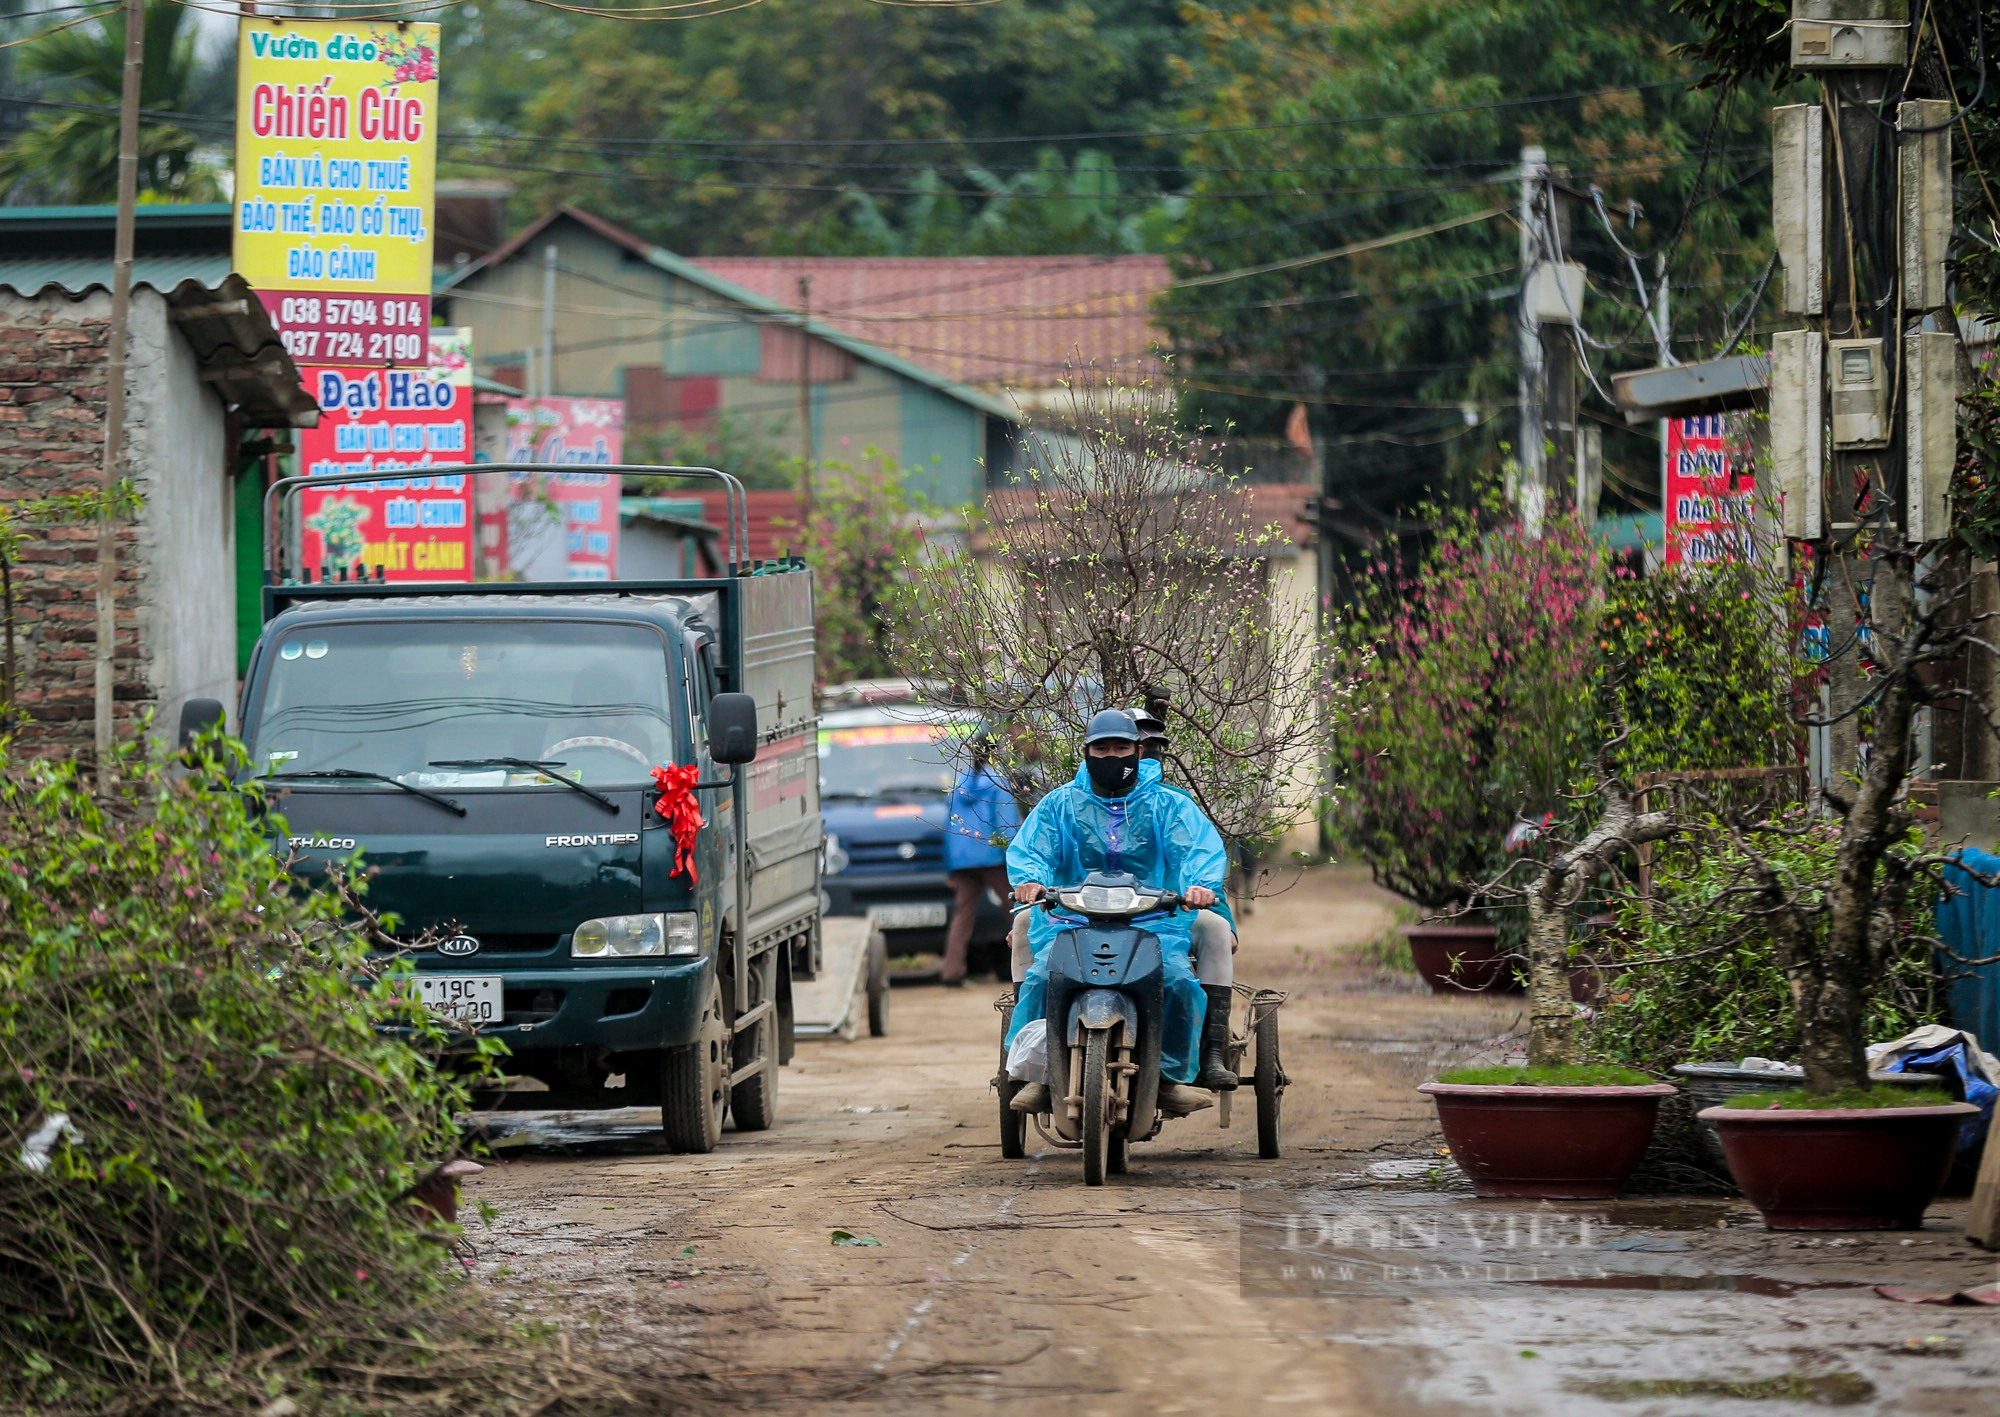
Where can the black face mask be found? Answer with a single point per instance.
(1112, 777)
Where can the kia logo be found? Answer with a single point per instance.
(458, 946)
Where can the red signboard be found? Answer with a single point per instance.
(1711, 501)
(382, 420)
(573, 435)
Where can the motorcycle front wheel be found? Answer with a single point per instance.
(1095, 1085)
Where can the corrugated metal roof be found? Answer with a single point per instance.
(30, 275)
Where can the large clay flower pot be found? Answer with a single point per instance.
(1460, 959)
(1553, 1143)
(1840, 1168)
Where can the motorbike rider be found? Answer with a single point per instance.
(1116, 815)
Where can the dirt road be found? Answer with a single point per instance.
(991, 1281)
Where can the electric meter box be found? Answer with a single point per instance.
(1860, 393)
(1555, 293)
(1850, 34)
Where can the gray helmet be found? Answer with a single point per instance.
(1110, 724)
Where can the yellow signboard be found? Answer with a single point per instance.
(336, 161)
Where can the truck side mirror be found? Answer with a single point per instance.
(732, 728)
(197, 717)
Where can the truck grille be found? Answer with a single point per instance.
(514, 944)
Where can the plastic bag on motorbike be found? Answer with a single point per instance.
(1028, 1054)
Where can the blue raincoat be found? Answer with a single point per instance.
(1158, 835)
(981, 810)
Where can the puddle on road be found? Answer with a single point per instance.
(1331, 1241)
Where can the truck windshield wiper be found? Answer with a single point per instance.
(534, 765)
(362, 775)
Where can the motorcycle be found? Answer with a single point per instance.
(1106, 1016)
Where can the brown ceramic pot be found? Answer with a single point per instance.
(1460, 959)
(1840, 1168)
(1552, 1143)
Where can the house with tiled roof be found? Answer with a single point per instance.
(933, 363)
(1010, 325)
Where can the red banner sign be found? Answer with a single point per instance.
(1711, 501)
(382, 420)
(573, 435)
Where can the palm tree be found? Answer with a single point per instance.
(71, 155)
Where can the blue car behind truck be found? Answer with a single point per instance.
(885, 774)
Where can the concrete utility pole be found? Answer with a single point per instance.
(1560, 320)
(1526, 494)
(808, 441)
(1863, 399)
(114, 387)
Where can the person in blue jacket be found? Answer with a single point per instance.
(980, 819)
(1116, 816)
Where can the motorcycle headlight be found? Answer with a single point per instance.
(636, 937)
(1103, 900)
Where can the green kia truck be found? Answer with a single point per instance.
(489, 750)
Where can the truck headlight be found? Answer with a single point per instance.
(636, 937)
(833, 856)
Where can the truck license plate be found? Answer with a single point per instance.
(469, 998)
(927, 915)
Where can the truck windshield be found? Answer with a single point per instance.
(894, 757)
(407, 697)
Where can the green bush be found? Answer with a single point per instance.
(225, 1208)
(1698, 977)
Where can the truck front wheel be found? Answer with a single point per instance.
(694, 1081)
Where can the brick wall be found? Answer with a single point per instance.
(52, 367)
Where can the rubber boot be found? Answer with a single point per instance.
(1032, 1097)
(1215, 1074)
(1177, 1099)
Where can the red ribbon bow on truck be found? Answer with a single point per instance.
(682, 814)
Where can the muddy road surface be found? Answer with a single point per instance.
(873, 1251)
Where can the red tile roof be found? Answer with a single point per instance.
(989, 321)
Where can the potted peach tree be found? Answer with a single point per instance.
(1557, 1128)
(1462, 665)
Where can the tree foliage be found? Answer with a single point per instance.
(1337, 123)
(71, 155)
(1706, 981)
(1125, 567)
(227, 1134)
(862, 530)
(815, 124)
(1473, 699)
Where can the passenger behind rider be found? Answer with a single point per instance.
(1116, 815)
(1213, 931)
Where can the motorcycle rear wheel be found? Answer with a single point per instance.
(1269, 1081)
(1095, 1085)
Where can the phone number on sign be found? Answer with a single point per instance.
(328, 346)
(329, 328)
(340, 312)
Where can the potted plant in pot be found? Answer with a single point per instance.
(1843, 1152)
(1556, 1128)
(1460, 662)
